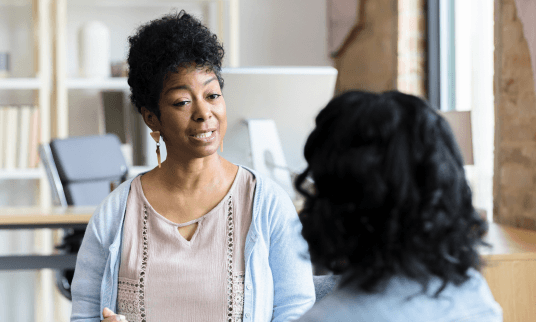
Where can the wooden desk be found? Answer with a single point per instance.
(37, 218)
(510, 270)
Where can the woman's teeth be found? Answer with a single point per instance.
(203, 135)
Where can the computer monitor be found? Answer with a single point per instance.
(291, 96)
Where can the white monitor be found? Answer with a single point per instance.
(291, 96)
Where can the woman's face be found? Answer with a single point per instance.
(193, 116)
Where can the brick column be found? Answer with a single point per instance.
(367, 59)
(514, 186)
(412, 47)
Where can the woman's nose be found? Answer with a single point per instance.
(202, 111)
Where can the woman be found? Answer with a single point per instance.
(391, 211)
(197, 238)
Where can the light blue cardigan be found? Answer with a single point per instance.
(278, 278)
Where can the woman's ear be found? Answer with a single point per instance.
(150, 119)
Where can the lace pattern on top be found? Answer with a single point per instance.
(143, 266)
(128, 301)
(235, 282)
(131, 293)
(238, 297)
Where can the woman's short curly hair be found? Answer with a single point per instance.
(390, 196)
(161, 47)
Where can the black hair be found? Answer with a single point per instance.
(162, 46)
(390, 196)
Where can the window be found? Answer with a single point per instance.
(460, 77)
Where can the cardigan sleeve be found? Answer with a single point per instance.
(88, 274)
(94, 257)
(290, 263)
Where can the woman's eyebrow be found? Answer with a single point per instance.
(186, 87)
(210, 80)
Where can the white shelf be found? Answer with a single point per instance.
(136, 3)
(19, 83)
(97, 83)
(293, 70)
(15, 3)
(6, 174)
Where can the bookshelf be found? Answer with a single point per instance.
(30, 80)
(25, 28)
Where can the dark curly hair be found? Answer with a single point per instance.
(161, 47)
(390, 195)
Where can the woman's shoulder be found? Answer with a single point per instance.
(403, 300)
(107, 217)
(266, 186)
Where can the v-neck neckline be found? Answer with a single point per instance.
(188, 223)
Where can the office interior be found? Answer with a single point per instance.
(475, 56)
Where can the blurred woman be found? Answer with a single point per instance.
(197, 238)
(391, 211)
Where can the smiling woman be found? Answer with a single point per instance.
(183, 241)
(192, 109)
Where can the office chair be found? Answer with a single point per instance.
(81, 171)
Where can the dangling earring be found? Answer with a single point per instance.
(156, 136)
(221, 146)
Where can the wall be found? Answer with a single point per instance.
(515, 120)
(283, 33)
(368, 59)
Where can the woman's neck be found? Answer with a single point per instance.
(194, 174)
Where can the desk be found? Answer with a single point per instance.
(37, 218)
(509, 269)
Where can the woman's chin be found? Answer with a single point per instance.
(196, 152)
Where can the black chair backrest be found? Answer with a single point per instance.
(86, 166)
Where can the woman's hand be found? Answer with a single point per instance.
(110, 316)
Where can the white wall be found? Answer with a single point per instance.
(283, 33)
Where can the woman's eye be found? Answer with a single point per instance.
(181, 103)
(213, 96)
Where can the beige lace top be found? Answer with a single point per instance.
(164, 277)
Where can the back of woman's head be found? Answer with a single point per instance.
(390, 194)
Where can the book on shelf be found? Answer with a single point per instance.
(19, 137)
(35, 138)
(117, 115)
(3, 113)
(11, 137)
(113, 114)
(24, 136)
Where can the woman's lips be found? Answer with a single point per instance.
(204, 137)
